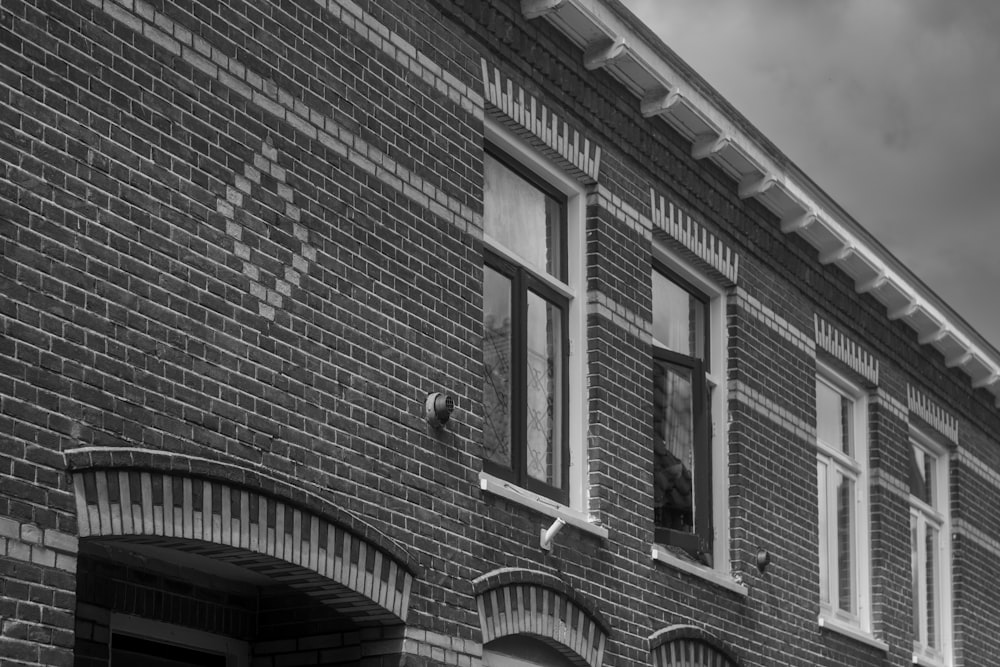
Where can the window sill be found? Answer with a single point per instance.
(854, 633)
(711, 576)
(924, 660)
(499, 487)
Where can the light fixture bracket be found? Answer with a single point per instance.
(549, 534)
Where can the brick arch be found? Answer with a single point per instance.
(688, 646)
(527, 602)
(213, 517)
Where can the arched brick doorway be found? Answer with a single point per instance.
(181, 569)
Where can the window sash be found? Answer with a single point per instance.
(832, 588)
(698, 542)
(697, 319)
(928, 531)
(846, 452)
(558, 250)
(927, 586)
(523, 285)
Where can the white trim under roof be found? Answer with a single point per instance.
(612, 39)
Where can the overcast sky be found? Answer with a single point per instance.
(891, 106)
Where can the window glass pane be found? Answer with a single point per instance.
(931, 584)
(824, 534)
(834, 418)
(544, 375)
(915, 576)
(522, 218)
(496, 366)
(678, 318)
(673, 447)
(922, 473)
(845, 492)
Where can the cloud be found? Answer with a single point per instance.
(889, 106)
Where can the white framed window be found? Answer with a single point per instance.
(844, 518)
(690, 449)
(534, 345)
(930, 551)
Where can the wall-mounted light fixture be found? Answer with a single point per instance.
(549, 534)
(763, 559)
(438, 408)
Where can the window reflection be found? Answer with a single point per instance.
(673, 447)
(496, 367)
(522, 218)
(543, 369)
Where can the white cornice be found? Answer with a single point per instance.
(608, 39)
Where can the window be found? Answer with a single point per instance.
(682, 443)
(930, 552)
(530, 321)
(842, 466)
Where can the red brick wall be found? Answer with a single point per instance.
(250, 233)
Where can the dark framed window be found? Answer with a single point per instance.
(525, 330)
(682, 442)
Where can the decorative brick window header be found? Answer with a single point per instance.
(531, 116)
(521, 602)
(706, 246)
(688, 646)
(831, 340)
(933, 414)
(261, 533)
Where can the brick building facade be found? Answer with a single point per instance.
(702, 417)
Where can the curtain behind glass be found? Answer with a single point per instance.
(521, 218)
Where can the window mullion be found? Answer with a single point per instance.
(553, 283)
(519, 362)
(703, 459)
(564, 390)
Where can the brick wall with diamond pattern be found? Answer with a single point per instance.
(241, 242)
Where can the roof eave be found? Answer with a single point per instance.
(612, 38)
